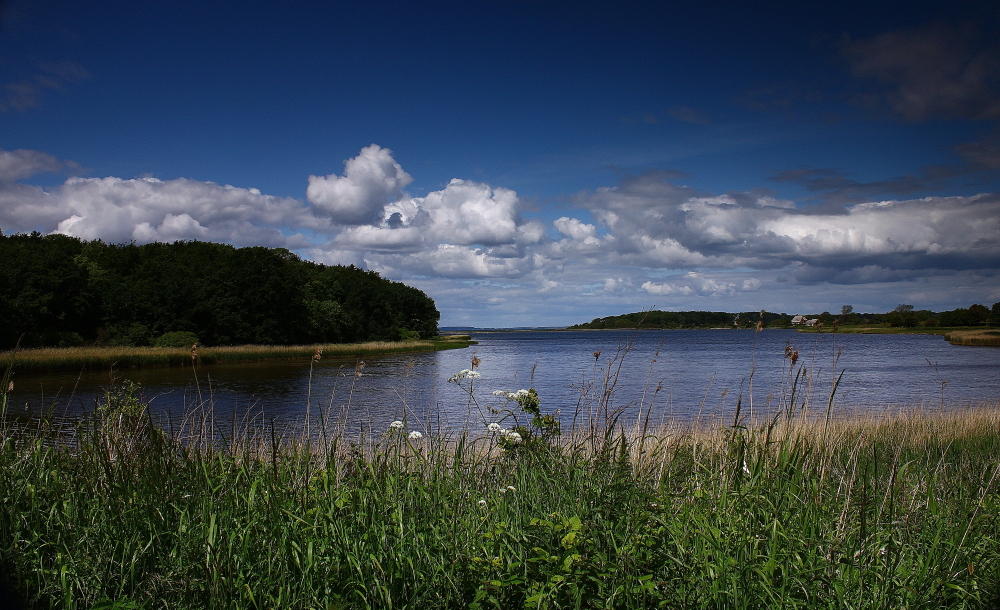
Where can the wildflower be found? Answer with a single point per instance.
(494, 427)
(519, 394)
(511, 488)
(414, 435)
(396, 425)
(482, 503)
(499, 393)
(511, 436)
(464, 374)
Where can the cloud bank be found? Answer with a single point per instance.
(474, 248)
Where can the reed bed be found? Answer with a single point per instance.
(988, 338)
(48, 359)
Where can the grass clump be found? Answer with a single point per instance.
(990, 338)
(897, 512)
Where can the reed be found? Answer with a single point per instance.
(49, 359)
(790, 509)
(988, 338)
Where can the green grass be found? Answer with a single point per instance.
(897, 512)
(56, 358)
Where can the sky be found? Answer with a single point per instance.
(528, 163)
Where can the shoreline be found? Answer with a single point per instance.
(50, 359)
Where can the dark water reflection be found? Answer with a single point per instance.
(697, 371)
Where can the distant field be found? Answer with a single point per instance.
(55, 358)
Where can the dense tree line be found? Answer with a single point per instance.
(903, 316)
(59, 290)
(688, 319)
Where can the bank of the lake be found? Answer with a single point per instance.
(58, 358)
(958, 335)
(871, 512)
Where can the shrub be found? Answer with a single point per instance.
(178, 338)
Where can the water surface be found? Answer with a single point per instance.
(677, 374)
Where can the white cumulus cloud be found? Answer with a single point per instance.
(370, 181)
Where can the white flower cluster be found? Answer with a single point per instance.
(511, 395)
(510, 435)
(464, 374)
(415, 435)
(494, 427)
(396, 425)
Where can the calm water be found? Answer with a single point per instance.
(697, 370)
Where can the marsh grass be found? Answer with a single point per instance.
(988, 338)
(789, 509)
(47, 359)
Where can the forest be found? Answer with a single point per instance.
(57, 290)
(686, 319)
(903, 316)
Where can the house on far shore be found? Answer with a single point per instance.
(799, 320)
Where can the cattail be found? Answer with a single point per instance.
(358, 367)
(795, 357)
(194, 352)
(597, 354)
(318, 354)
(760, 325)
(475, 361)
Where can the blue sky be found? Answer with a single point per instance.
(528, 163)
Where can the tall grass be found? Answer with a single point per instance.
(47, 359)
(788, 511)
(989, 338)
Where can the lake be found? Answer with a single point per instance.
(700, 375)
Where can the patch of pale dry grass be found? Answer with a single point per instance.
(979, 337)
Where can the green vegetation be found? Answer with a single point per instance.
(56, 358)
(60, 291)
(687, 319)
(900, 512)
(902, 319)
